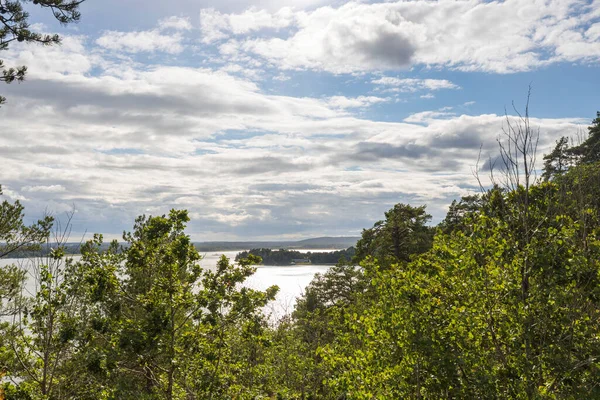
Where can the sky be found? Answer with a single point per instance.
(284, 119)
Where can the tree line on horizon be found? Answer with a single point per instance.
(499, 300)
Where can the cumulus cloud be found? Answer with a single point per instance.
(473, 35)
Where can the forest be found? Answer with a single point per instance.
(499, 300)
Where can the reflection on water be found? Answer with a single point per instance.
(291, 279)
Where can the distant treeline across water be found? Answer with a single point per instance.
(314, 243)
(287, 257)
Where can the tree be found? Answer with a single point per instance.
(154, 324)
(402, 234)
(43, 328)
(318, 319)
(15, 236)
(15, 26)
(564, 156)
(588, 152)
(558, 161)
(459, 212)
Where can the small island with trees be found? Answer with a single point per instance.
(295, 257)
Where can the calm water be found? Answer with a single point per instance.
(291, 279)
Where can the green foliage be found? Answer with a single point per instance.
(15, 26)
(44, 332)
(589, 151)
(456, 322)
(559, 160)
(153, 324)
(402, 234)
(14, 234)
(505, 304)
(12, 279)
(460, 211)
(564, 157)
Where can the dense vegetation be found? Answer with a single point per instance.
(501, 300)
(287, 257)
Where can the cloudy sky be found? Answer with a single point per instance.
(284, 119)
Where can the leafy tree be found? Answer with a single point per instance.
(564, 156)
(15, 26)
(42, 330)
(155, 325)
(43, 334)
(459, 212)
(589, 151)
(15, 236)
(402, 234)
(298, 370)
(558, 161)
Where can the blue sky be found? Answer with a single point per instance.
(284, 119)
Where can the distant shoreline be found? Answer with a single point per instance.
(320, 243)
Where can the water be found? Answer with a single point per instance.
(292, 280)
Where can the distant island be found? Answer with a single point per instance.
(294, 257)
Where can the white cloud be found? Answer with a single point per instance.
(71, 58)
(12, 195)
(215, 25)
(144, 41)
(470, 35)
(174, 22)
